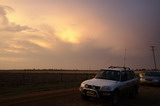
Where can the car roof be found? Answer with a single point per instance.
(152, 72)
(117, 68)
(107, 69)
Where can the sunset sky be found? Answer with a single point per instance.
(79, 34)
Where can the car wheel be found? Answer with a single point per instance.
(84, 97)
(134, 92)
(115, 98)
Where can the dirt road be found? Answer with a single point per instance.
(149, 96)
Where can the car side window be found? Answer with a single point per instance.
(130, 75)
(133, 74)
(124, 76)
(127, 75)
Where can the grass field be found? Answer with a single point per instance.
(17, 82)
(14, 82)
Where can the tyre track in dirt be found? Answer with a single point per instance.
(70, 97)
(149, 96)
(37, 97)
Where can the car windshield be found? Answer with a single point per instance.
(108, 74)
(154, 74)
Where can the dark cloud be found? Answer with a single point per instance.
(133, 25)
(81, 56)
(6, 25)
(12, 27)
(3, 18)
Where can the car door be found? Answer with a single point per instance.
(125, 82)
(131, 82)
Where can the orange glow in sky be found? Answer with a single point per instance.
(78, 34)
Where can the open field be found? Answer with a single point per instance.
(149, 96)
(14, 82)
(48, 71)
(39, 88)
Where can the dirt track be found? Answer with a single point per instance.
(149, 96)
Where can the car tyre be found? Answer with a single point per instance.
(134, 92)
(116, 99)
(84, 97)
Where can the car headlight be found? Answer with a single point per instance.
(142, 79)
(105, 88)
(83, 85)
(141, 75)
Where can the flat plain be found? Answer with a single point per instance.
(41, 88)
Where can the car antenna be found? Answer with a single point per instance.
(154, 58)
(124, 58)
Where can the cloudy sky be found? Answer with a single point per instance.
(78, 34)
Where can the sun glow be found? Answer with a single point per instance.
(41, 43)
(69, 35)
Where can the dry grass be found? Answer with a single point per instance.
(18, 82)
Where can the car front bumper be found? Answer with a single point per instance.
(96, 94)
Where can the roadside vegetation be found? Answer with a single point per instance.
(15, 82)
(20, 82)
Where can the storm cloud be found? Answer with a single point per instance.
(78, 34)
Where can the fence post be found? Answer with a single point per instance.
(86, 75)
(61, 77)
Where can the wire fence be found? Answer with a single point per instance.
(19, 79)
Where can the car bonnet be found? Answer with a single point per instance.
(100, 82)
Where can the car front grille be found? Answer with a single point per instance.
(93, 87)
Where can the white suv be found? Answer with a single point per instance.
(111, 82)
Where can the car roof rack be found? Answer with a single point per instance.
(125, 68)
